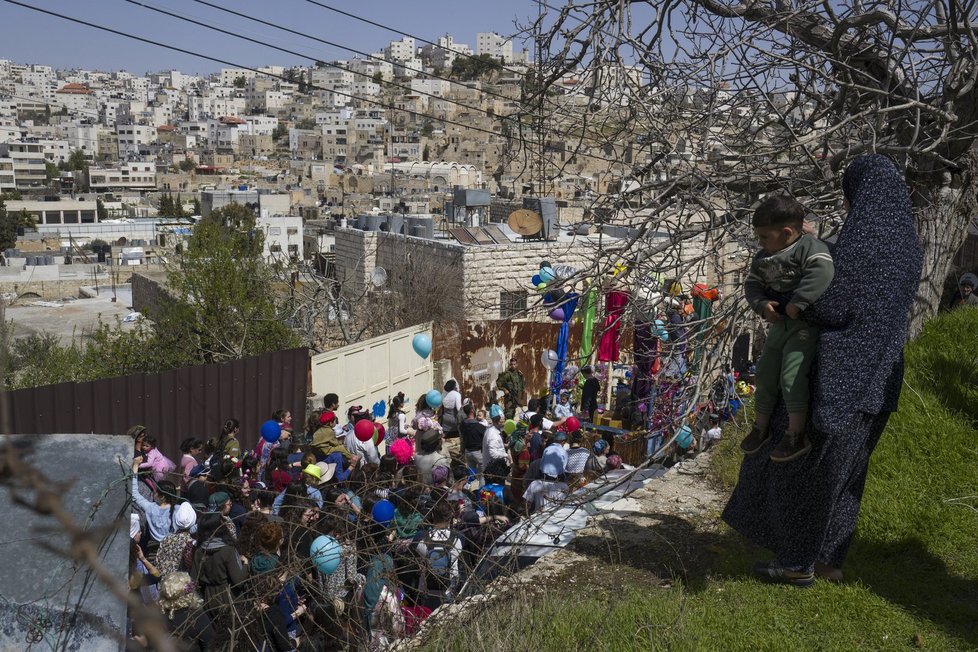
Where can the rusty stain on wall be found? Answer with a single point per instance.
(480, 350)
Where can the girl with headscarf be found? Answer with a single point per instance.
(805, 511)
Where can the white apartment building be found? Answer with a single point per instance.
(371, 67)
(402, 50)
(83, 136)
(408, 67)
(444, 52)
(283, 235)
(76, 98)
(7, 180)
(335, 117)
(227, 75)
(495, 46)
(132, 137)
(365, 88)
(331, 78)
(438, 87)
(260, 124)
(131, 175)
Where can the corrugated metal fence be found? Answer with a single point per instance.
(173, 405)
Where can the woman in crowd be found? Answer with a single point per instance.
(191, 449)
(185, 617)
(217, 568)
(176, 549)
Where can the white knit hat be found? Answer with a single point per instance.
(184, 517)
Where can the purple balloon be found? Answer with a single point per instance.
(557, 314)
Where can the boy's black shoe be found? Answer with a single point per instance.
(792, 446)
(754, 441)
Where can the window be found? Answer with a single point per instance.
(293, 250)
(512, 304)
(274, 230)
(275, 248)
(292, 230)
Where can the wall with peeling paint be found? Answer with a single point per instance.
(480, 350)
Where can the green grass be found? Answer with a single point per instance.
(912, 572)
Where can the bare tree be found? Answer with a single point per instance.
(701, 106)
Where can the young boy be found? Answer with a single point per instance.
(790, 273)
(564, 409)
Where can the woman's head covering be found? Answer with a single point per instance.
(184, 517)
(178, 592)
(968, 279)
(865, 312)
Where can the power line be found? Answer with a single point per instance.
(311, 58)
(556, 107)
(399, 32)
(233, 64)
(348, 49)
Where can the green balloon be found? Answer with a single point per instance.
(541, 286)
(509, 427)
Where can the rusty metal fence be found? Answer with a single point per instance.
(173, 405)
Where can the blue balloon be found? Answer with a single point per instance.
(547, 274)
(271, 431)
(325, 552)
(433, 399)
(383, 512)
(422, 345)
(536, 280)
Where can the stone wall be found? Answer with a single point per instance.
(148, 292)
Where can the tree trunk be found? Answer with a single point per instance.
(944, 207)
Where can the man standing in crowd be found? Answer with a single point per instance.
(512, 384)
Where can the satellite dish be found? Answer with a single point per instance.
(525, 222)
(378, 277)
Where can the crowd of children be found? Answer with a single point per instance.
(223, 543)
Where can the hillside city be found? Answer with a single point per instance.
(578, 338)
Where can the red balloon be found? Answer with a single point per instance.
(379, 434)
(572, 424)
(364, 429)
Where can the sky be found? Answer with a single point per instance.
(31, 37)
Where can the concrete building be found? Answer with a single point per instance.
(283, 235)
(77, 98)
(402, 50)
(211, 200)
(131, 175)
(495, 46)
(65, 211)
(7, 180)
(133, 138)
(442, 54)
(27, 161)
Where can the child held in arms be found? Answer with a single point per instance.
(788, 274)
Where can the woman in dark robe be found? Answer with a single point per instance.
(805, 511)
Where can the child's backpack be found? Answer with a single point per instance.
(438, 566)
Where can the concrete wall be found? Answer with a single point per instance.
(55, 282)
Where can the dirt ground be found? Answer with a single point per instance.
(69, 318)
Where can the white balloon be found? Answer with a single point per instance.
(549, 359)
(571, 370)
